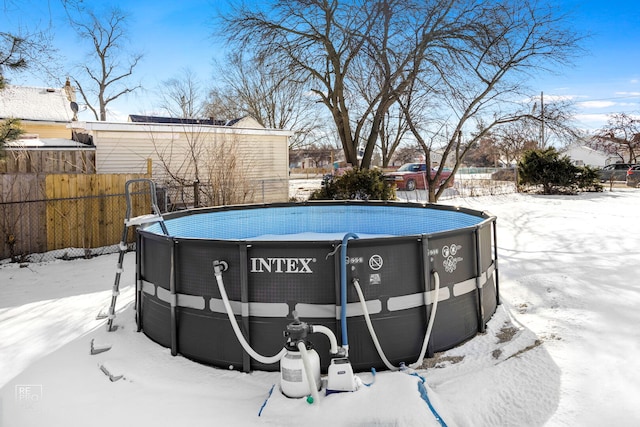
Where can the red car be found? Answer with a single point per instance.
(413, 175)
(633, 176)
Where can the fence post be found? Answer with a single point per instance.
(196, 193)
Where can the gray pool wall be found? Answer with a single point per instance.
(179, 306)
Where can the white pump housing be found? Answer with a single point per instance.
(340, 376)
(293, 378)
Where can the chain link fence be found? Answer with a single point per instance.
(67, 228)
(62, 228)
(45, 229)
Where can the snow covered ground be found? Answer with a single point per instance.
(562, 350)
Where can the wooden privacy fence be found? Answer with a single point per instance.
(48, 161)
(41, 213)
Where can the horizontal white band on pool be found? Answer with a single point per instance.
(217, 306)
(332, 311)
(355, 309)
(148, 288)
(191, 301)
(264, 309)
(305, 310)
(405, 302)
(471, 284)
(316, 310)
(180, 300)
(258, 309)
(465, 287)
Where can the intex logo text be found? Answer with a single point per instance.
(281, 265)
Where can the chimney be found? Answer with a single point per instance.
(69, 91)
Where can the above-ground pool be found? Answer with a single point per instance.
(283, 258)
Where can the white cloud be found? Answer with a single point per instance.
(590, 122)
(596, 104)
(628, 94)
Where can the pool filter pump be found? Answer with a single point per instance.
(300, 366)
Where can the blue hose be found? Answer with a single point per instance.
(343, 290)
(266, 400)
(423, 393)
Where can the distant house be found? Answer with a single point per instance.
(191, 149)
(581, 155)
(48, 144)
(43, 112)
(175, 151)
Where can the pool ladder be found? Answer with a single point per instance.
(154, 217)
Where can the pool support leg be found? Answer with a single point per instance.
(495, 259)
(480, 307)
(174, 299)
(138, 302)
(244, 299)
(426, 276)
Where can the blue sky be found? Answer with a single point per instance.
(172, 35)
(605, 78)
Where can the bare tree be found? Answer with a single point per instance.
(484, 153)
(27, 50)
(108, 68)
(336, 44)
(182, 96)
(407, 154)
(393, 129)
(480, 84)
(513, 139)
(212, 166)
(223, 104)
(275, 97)
(22, 51)
(463, 52)
(228, 174)
(12, 55)
(620, 136)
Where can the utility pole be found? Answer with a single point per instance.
(542, 142)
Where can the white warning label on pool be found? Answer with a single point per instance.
(451, 261)
(375, 262)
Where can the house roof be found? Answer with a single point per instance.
(134, 118)
(175, 120)
(35, 103)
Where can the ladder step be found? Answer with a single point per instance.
(143, 219)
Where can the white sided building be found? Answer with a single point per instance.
(190, 151)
